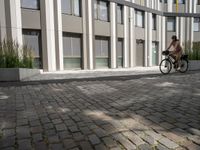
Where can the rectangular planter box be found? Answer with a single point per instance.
(194, 65)
(17, 74)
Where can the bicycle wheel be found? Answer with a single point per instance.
(183, 66)
(165, 66)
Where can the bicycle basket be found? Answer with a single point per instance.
(165, 52)
(184, 57)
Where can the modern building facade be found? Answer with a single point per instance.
(92, 34)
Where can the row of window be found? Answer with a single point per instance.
(171, 24)
(72, 49)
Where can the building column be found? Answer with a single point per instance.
(48, 35)
(58, 35)
(146, 40)
(126, 37)
(113, 23)
(13, 20)
(149, 39)
(132, 37)
(88, 34)
(159, 31)
(163, 33)
(2, 21)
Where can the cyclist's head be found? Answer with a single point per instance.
(174, 38)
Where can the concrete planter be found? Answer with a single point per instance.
(194, 65)
(17, 74)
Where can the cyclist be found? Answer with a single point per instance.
(177, 52)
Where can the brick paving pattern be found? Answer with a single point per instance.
(152, 112)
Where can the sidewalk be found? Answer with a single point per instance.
(84, 74)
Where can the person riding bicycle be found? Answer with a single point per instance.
(177, 52)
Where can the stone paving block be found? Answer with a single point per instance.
(7, 142)
(56, 147)
(168, 143)
(100, 147)
(85, 145)
(69, 143)
(94, 139)
(53, 139)
(41, 146)
(109, 142)
(8, 132)
(125, 142)
(61, 127)
(9, 148)
(24, 144)
(37, 137)
(134, 138)
(145, 147)
(23, 132)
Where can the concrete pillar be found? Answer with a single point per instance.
(85, 35)
(177, 27)
(149, 39)
(2, 21)
(181, 29)
(58, 35)
(163, 33)
(132, 37)
(88, 34)
(13, 20)
(146, 40)
(48, 35)
(113, 23)
(126, 37)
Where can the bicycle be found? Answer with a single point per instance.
(169, 62)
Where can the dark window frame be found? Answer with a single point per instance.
(72, 9)
(97, 12)
(30, 8)
(143, 19)
(122, 12)
(174, 25)
(27, 32)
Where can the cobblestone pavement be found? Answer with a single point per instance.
(135, 112)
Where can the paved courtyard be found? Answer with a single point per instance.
(131, 112)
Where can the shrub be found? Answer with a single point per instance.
(194, 53)
(14, 56)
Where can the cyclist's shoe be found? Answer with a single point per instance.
(175, 66)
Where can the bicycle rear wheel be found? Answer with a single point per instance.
(165, 66)
(183, 66)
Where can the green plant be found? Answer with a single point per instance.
(194, 52)
(14, 56)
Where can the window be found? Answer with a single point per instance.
(102, 52)
(120, 14)
(171, 24)
(120, 52)
(154, 23)
(198, 2)
(139, 18)
(72, 50)
(71, 7)
(179, 1)
(30, 4)
(196, 24)
(32, 39)
(101, 9)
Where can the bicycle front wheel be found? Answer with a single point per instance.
(183, 66)
(165, 66)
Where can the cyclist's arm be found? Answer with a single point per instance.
(170, 46)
